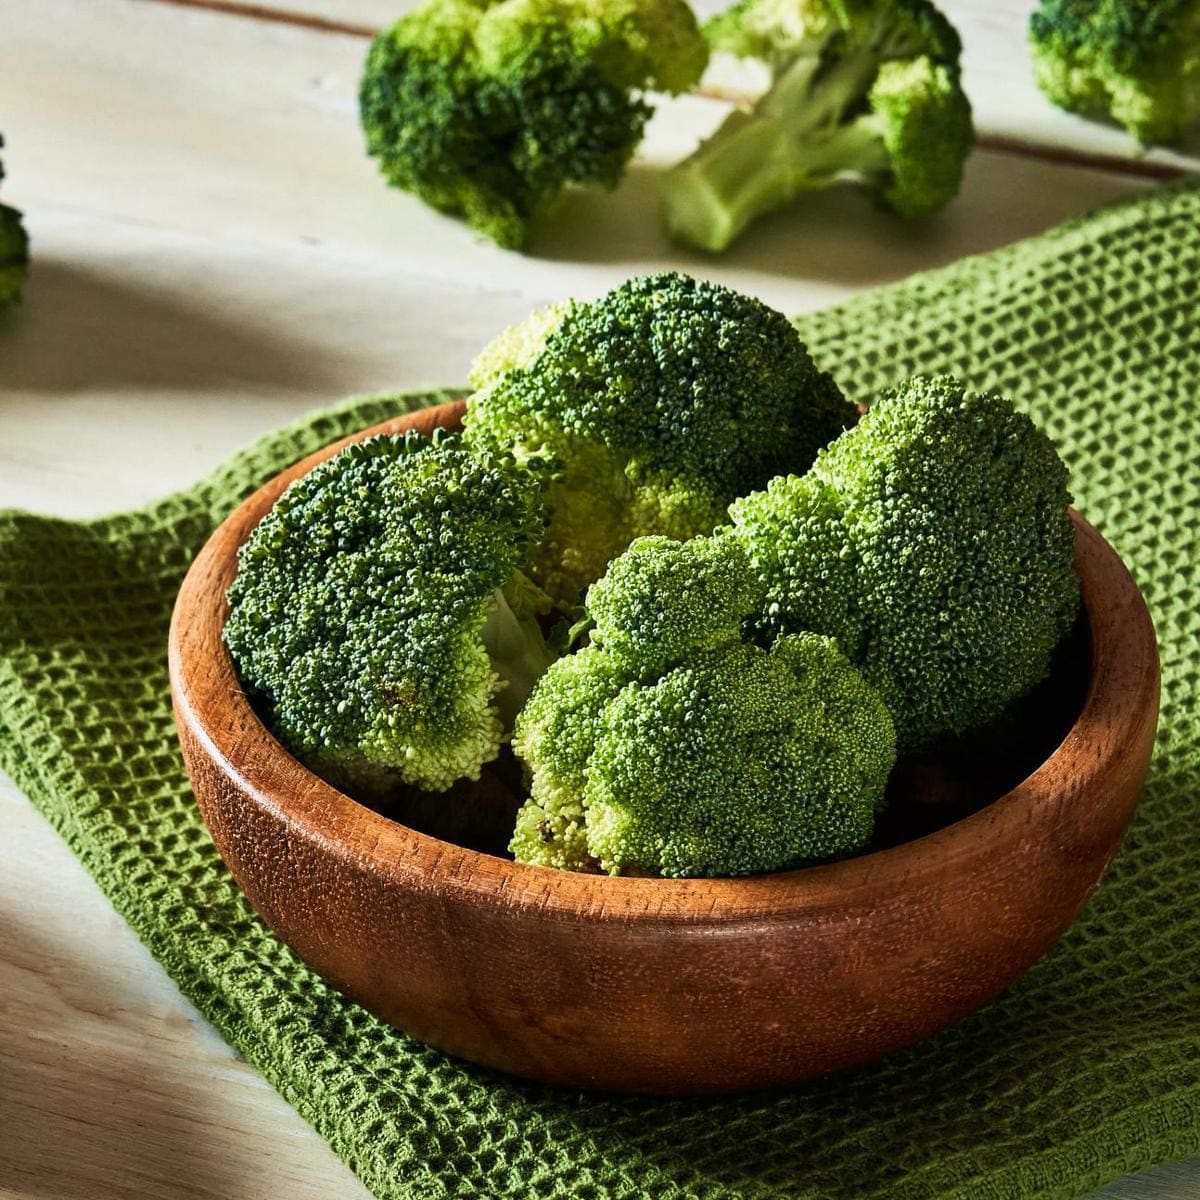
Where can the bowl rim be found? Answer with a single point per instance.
(208, 697)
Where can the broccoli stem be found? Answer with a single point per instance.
(753, 166)
(519, 655)
(796, 139)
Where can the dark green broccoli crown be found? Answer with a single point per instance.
(933, 541)
(487, 110)
(659, 402)
(1138, 60)
(739, 761)
(662, 599)
(677, 376)
(669, 746)
(924, 121)
(359, 605)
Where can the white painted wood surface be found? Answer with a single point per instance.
(214, 255)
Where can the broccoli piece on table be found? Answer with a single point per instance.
(652, 407)
(867, 90)
(486, 109)
(1137, 60)
(670, 746)
(933, 542)
(381, 613)
(14, 251)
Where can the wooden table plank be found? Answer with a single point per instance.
(111, 1084)
(184, 347)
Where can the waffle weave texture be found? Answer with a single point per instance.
(1088, 1069)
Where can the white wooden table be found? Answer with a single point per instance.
(214, 255)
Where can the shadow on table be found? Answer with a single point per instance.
(79, 328)
(838, 236)
(106, 1125)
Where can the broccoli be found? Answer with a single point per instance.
(653, 407)
(486, 109)
(14, 251)
(1138, 60)
(381, 614)
(670, 746)
(862, 89)
(933, 542)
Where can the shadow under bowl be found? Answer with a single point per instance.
(682, 986)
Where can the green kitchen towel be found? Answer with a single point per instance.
(1088, 1069)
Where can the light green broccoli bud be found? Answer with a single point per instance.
(554, 738)
(738, 761)
(662, 599)
(670, 746)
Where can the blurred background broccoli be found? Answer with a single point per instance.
(1137, 61)
(866, 90)
(487, 109)
(14, 250)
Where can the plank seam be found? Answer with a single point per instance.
(275, 16)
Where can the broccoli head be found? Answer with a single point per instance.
(652, 408)
(867, 90)
(933, 542)
(14, 251)
(670, 746)
(486, 109)
(380, 612)
(1137, 60)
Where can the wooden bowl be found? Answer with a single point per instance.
(658, 985)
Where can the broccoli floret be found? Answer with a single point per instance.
(487, 109)
(653, 407)
(14, 251)
(670, 746)
(867, 90)
(933, 542)
(662, 599)
(380, 612)
(1137, 60)
(554, 736)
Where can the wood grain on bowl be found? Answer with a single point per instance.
(655, 985)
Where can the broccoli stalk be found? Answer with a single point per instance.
(381, 616)
(933, 542)
(515, 644)
(1136, 60)
(868, 92)
(648, 410)
(487, 109)
(670, 746)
